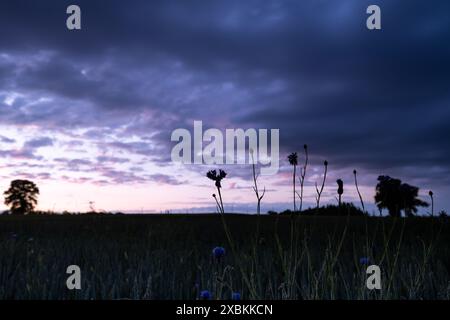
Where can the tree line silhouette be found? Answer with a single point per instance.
(390, 193)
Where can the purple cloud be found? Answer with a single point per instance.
(38, 143)
(6, 139)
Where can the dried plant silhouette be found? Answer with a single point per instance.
(259, 195)
(21, 196)
(430, 193)
(217, 178)
(293, 161)
(340, 190)
(319, 191)
(302, 177)
(92, 207)
(396, 197)
(357, 190)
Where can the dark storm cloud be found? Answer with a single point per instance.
(377, 101)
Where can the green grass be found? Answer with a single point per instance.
(169, 257)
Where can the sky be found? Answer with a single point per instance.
(88, 114)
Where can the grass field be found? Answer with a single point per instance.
(170, 257)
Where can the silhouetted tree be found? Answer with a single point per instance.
(396, 196)
(410, 201)
(21, 196)
(346, 209)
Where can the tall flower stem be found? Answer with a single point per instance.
(319, 191)
(340, 190)
(220, 198)
(255, 186)
(357, 189)
(293, 160)
(219, 209)
(302, 176)
(293, 183)
(430, 193)
(217, 178)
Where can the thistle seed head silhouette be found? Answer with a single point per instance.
(340, 186)
(293, 159)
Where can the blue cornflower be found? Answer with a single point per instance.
(218, 252)
(364, 260)
(205, 295)
(235, 296)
